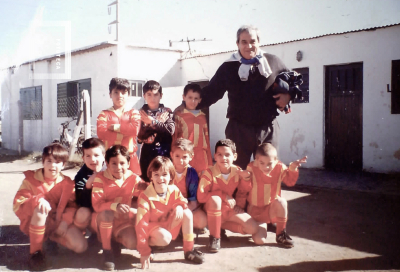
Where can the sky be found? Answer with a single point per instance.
(155, 22)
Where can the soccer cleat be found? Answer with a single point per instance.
(37, 262)
(215, 244)
(195, 256)
(108, 260)
(284, 239)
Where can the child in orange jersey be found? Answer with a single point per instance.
(162, 212)
(192, 124)
(265, 202)
(216, 188)
(119, 125)
(45, 205)
(187, 180)
(112, 195)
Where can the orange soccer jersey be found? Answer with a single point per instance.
(125, 130)
(154, 212)
(194, 128)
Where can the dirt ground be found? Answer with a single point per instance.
(339, 222)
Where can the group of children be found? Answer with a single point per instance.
(172, 190)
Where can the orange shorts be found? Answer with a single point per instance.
(166, 225)
(226, 212)
(260, 214)
(118, 224)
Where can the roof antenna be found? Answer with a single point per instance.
(188, 42)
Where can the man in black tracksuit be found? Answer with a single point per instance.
(249, 77)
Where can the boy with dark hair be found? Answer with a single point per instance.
(216, 189)
(157, 127)
(45, 205)
(264, 195)
(118, 125)
(191, 124)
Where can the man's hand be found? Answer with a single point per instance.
(294, 165)
(244, 174)
(44, 206)
(123, 208)
(282, 100)
(178, 212)
(231, 201)
(145, 261)
(145, 118)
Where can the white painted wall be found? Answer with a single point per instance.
(302, 131)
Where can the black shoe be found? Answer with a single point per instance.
(116, 249)
(108, 260)
(38, 262)
(195, 256)
(284, 239)
(51, 248)
(224, 237)
(215, 244)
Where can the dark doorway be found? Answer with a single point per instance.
(343, 117)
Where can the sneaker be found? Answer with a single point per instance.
(195, 256)
(116, 249)
(108, 260)
(215, 244)
(37, 262)
(284, 239)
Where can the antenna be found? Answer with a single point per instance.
(116, 21)
(188, 42)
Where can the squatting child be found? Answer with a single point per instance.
(265, 202)
(216, 188)
(112, 193)
(157, 127)
(162, 212)
(119, 125)
(45, 205)
(192, 124)
(187, 180)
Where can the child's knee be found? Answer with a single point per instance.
(83, 214)
(130, 242)
(81, 246)
(251, 226)
(260, 237)
(162, 237)
(214, 202)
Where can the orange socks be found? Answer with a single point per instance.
(105, 234)
(233, 226)
(214, 222)
(36, 237)
(188, 242)
(280, 224)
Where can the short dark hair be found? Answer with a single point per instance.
(152, 85)
(116, 150)
(161, 162)
(93, 143)
(120, 84)
(58, 152)
(226, 142)
(182, 144)
(266, 149)
(192, 86)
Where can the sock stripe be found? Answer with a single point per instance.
(188, 237)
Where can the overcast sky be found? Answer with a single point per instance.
(155, 22)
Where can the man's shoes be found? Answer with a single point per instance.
(215, 244)
(195, 256)
(38, 262)
(284, 239)
(108, 260)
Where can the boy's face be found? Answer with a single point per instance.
(93, 158)
(180, 158)
(160, 179)
(265, 163)
(224, 158)
(119, 97)
(118, 166)
(192, 99)
(52, 168)
(152, 99)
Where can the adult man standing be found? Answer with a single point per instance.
(249, 77)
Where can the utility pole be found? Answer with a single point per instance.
(116, 21)
(188, 42)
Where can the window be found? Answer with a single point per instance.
(69, 97)
(395, 86)
(31, 103)
(136, 87)
(303, 87)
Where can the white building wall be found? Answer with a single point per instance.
(302, 131)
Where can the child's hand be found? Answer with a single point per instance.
(237, 209)
(231, 201)
(163, 117)
(62, 228)
(178, 212)
(123, 208)
(145, 118)
(145, 261)
(89, 182)
(244, 174)
(293, 166)
(44, 206)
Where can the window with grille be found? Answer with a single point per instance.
(395, 87)
(69, 97)
(305, 86)
(136, 87)
(31, 103)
